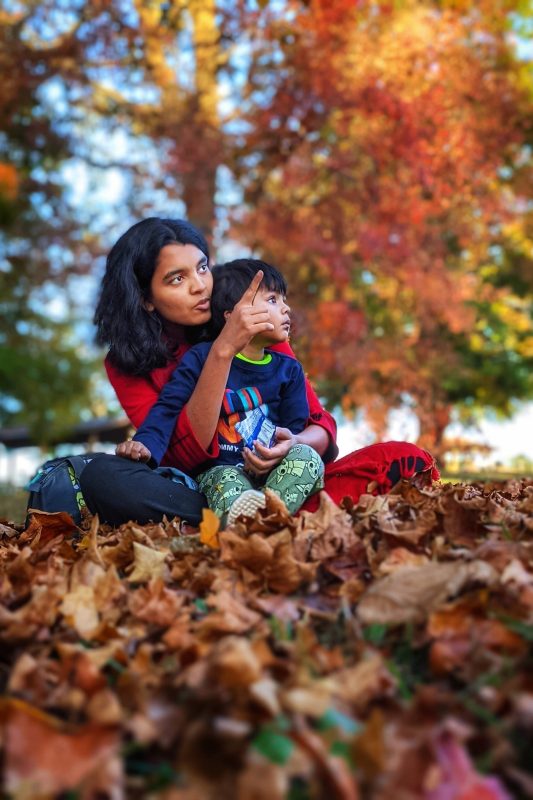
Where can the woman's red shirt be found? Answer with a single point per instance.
(137, 395)
(364, 470)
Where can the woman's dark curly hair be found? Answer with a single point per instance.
(134, 335)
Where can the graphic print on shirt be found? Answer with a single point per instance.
(236, 406)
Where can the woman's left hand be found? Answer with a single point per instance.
(264, 459)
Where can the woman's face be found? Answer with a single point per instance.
(180, 289)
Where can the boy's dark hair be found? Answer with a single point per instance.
(133, 335)
(230, 281)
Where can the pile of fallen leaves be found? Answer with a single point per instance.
(379, 650)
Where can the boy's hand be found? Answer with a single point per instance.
(265, 459)
(136, 451)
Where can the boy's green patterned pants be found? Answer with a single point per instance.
(298, 475)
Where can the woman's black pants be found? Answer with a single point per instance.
(118, 490)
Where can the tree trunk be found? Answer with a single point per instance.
(199, 184)
(186, 117)
(434, 419)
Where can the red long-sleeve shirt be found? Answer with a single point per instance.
(363, 470)
(138, 394)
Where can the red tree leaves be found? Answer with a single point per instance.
(380, 177)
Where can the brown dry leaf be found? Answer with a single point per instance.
(104, 708)
(45, 526)
(271, 559)
(8, 531)
(189, 793)
(22, 673)
(157, 721)
(265, 693)
(79, 604)
(369, 505)
(414, 494)
(369, 746)
(363, 682)
(261, 780)
(79, 609)
(334, 774)
(284, 573)
(148, 564)
(154, 603)
(209, 527)
(179, 636)
(411, 593)
(80, 669)
(277, 606)
(400, 557)
(90, 543)
(273, 517)
(500, 553)
(324, 533)
(254, 552)
(311, 701)
(86, 572)
(232, 615)
(461, 507)
(350, 565)
(118, 549)
(109, 592)
(20, 570)
(516, 574)
(462, 633)
(233, 663)
(42, 757)
(403, 521)
(40, 612)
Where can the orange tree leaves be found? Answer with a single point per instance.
(357, 651)
(386, 173)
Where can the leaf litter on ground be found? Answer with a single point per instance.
(377, 649)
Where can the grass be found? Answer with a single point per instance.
(481, 476)
(13, 501)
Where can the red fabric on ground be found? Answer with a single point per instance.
(365, 471)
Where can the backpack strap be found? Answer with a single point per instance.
(78, 463)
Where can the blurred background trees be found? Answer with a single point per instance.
(379, 153)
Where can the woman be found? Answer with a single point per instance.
(154, 303)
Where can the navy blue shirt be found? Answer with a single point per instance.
(277, 388)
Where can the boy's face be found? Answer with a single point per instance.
(279, 315)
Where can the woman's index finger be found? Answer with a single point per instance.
(250, 293)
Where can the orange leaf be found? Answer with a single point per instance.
(45, 526)
(209, 527)
(45, 757)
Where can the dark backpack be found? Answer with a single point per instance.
(56, 485)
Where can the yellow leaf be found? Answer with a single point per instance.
(80, 611)
(209, 527)
(147, 563)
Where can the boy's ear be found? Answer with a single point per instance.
(148, 305)
(227, 315)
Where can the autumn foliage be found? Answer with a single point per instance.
(369, 651)
(379, 153)
(386, 174)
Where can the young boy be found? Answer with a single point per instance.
(265, 389)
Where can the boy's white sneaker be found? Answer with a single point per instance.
(246, 505)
